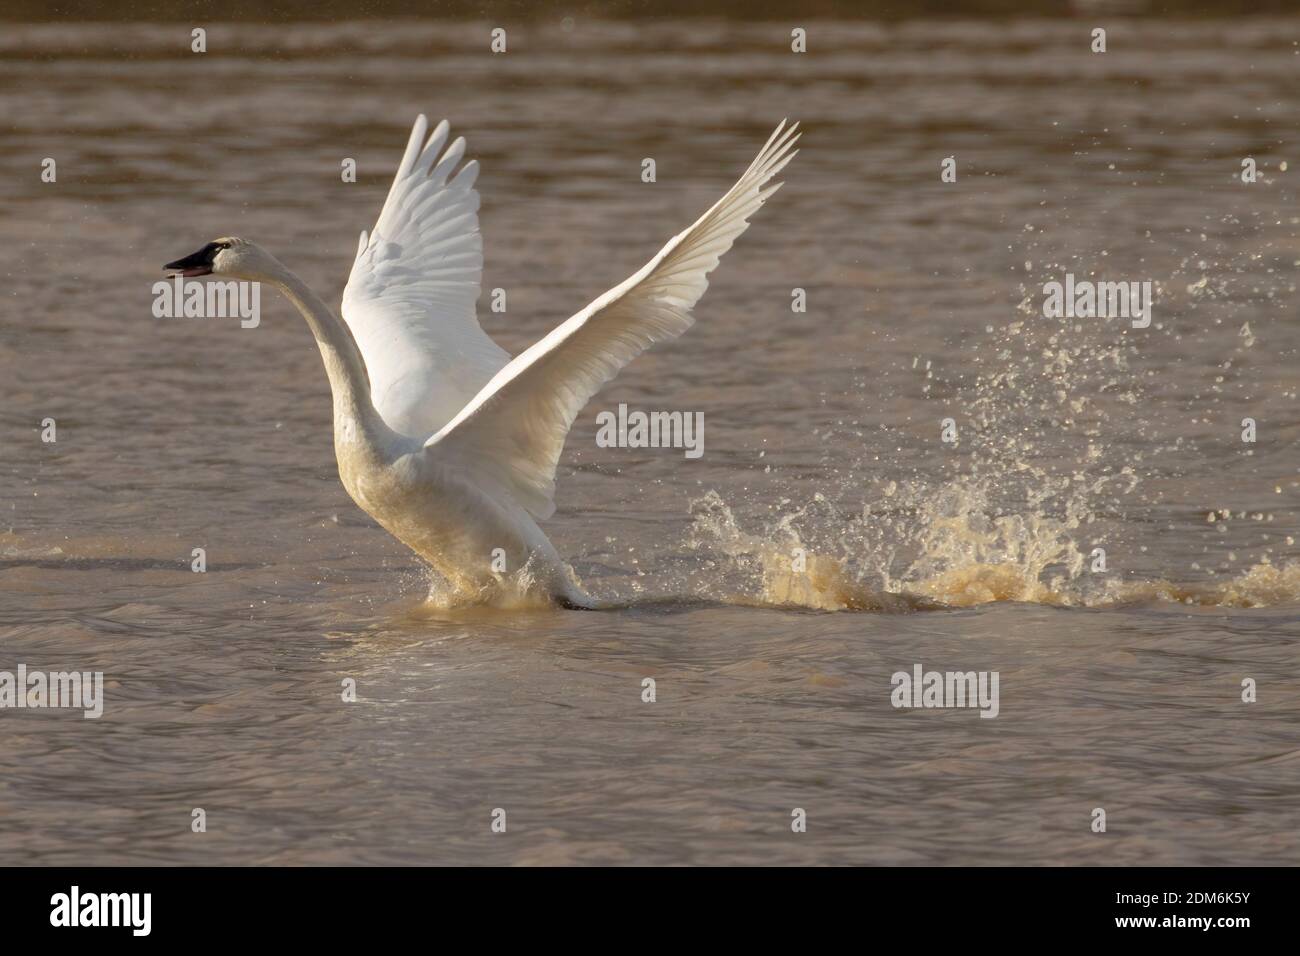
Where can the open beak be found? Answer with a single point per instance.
(195, 264)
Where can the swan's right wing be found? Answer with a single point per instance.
(410, 298)
(509, 438)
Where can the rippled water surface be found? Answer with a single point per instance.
(1119, 689)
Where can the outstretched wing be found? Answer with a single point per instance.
(511, 435)
(410, 298)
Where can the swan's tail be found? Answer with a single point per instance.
(572, 597)
(574, 603)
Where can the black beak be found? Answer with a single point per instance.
(198, 263)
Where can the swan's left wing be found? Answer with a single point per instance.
(410, 298)
(509, 438)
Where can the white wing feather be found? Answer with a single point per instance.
(511, 435)
(410, 298)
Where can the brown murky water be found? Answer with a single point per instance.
(1118, 689)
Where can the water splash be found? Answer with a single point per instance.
(1073, 447)
(514, 591)
(964, 560)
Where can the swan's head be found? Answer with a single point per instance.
(229, 256)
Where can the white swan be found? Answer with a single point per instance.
(440, 436)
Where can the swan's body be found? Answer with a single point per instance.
(440, 436)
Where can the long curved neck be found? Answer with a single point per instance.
(349, 382)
